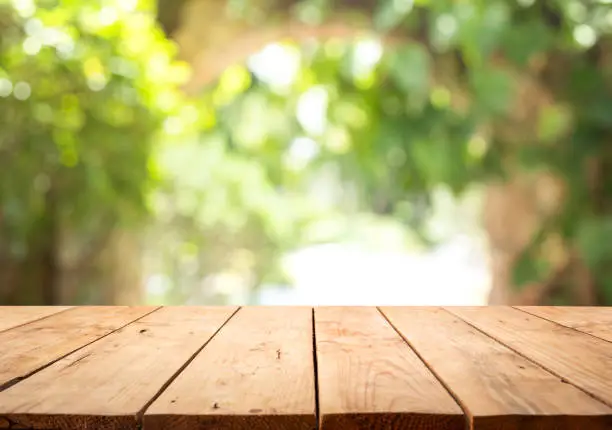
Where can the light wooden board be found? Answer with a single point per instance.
(106, 384)
(577, 358)
(29, 347)
(257, 373)
(14, 316)
(369, 378)
(588, 319)
(499, 388)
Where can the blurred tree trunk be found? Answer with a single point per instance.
(513, 213)
(122, 268)
(50, 272)
(112, 276)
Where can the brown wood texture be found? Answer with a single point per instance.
(596, 321)
(13, 316)
(368, 377)
(576, 358)
(107, 384)
(499, 388)
(29, 347)
(257, 373)
(265, 368)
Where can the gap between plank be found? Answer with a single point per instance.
(18, 379)
(541, 366)
(37, 319)
(315, 365)
(562, 325)
(141, 412)
(466, 412)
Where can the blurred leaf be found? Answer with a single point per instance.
(521, 41)
(493, 89)
(594, 239)
(529, 268)
(554, 122)
(481, 29)
(411, 70)
(390, 13)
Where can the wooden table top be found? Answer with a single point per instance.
(302, 368)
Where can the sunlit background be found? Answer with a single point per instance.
(345, 253)
(418, 153)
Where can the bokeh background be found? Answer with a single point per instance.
(357, 152)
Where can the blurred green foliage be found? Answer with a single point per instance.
(95, 128)
(84, 88)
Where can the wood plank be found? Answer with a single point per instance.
(593, 320)
(257, 373)
(577, 358)
(497, 387)
(14, 316)
(30, 347)
(369, 378)
(107, 384)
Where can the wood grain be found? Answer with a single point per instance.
(256, 374)
(106, 384)
(577, 358)
(510, 368)
(497, 387)
(369, 378)
(14, 316)
(596, 321)
(30, 347)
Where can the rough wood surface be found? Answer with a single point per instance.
(108, 383)
(13, 316)
(369, 378)
(596, 321)
(257, 373)
(265, 368)
(574, 357)
(498, 388)
(29, 347)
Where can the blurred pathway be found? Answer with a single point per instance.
(454, 274)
